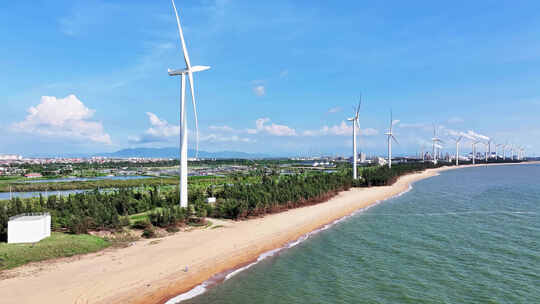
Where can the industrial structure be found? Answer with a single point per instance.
(29, 228)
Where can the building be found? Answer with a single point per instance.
(381, 161)
(362, 157)
(29, 228)
(33, 175)
(10, 157)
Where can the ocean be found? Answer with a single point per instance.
(467, 236)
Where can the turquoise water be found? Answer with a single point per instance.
(466, 236)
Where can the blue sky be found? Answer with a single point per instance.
(91, 76)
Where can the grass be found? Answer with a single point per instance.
(138, 217)
(56, 246)
(142, 216)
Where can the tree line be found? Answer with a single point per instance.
(95, 210)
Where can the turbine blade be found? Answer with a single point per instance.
(394, 139)
(199, 68)
(184, 48)
(195, 112)
(359, 105)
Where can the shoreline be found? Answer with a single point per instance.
(152, 271)
(224, 276)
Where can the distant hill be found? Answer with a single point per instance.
(173, 153)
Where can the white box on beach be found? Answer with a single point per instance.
(29, 228)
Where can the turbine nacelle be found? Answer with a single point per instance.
(194, 69)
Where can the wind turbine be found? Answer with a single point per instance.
(496, 150)
(391, 137)
(512, 151)
(189, 70)
(457, 140)
(436, 143)
(505, 147)
(474, 143)
(356, 124)
(486, 151)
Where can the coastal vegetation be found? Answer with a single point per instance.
(56, 246)
(85, 185)
(145, 209)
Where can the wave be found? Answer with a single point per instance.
(456, 213)
(202, 288)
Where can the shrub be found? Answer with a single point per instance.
(149, 232)
(172, 229)
(124, 221)
(141, 224)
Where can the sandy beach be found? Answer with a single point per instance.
(152, 271)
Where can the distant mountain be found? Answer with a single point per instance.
(173, 153)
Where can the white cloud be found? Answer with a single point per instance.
(272, 129)
(223, 128)
(219, 138)
(160, 130)
(477, 136)
(369, 132)
(335, 110)
(259, 90)
(284, 73)
(66, 118)
(342, 129)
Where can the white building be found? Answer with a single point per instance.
(10, 157)
(381, 161)
(362, 157)
(29, 228)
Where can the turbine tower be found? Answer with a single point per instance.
(512, 151)
(496, 150)
(436, 143)
(458, 140)
(391, 137)
(486, 151)
(356, 124)
(189, 70)
(474, 143)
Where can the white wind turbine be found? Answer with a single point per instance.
(512, 151)
(486, 151)
(505, 147)
(457, 140)
(189, 70)
(391, 137)
(436, 144)
(474, 143)
(356, 125)
(496, 150)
